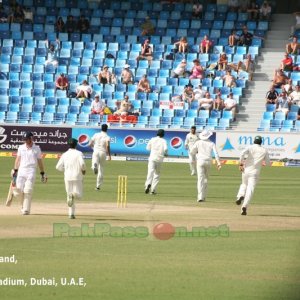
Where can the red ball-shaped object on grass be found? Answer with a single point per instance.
(164, 231)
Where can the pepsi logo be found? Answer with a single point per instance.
(176, 142)
(83, 140)
(130, 141)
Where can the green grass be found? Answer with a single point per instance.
(246, 265)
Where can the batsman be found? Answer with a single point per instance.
(29, 155)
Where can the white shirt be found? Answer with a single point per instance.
(97, 106)
(72, 163)
(199, 93)
(254, 156)
(180, 69)
(85, 88)
(190, 140)
(229, 102)
(99, 141)
(205, 148)
(158, 149)
(295, 96)
(29, 156)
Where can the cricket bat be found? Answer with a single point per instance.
(10, 194)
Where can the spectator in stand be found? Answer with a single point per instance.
(182, 45)
(288, 87)
(271, 96)
(248, 65)
(62, 83)
(146, 52)
(233, 38)
(127, 75)
(83, 24)
(222, 62)
(104, 76)
(245, 37)
(265, 11)
(287, 63)
(197, 71)
(298, 115)
(52, 56)
(180, 70)
(144, 85)
(283, 103)
(218, 104)
(3, 15)
(124, 107)
(293, 47)
(297, 25)
(28, 15)
(230, 104)
(233, 5)
(148, 27)
(205, 45)
(279, 78)
(60, 25)
(18, 15)
(229, 79)
(253, 11)
(197, 10)
(295, 95)
(98, 105)
(206, 103)
(188, 94)
(71, 24)
(199, 92)
(84, 90)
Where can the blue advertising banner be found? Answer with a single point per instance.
(132, 142)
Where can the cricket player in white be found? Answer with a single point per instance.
(100, 142)
(190, 140)
(28, 157)
(250, 165)
(158, 150)
(204, 149)
(72, 163)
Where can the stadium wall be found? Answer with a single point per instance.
(133, 141)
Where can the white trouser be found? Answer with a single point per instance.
(192, 162)
(203, 167)
(24, 188)
(153, 175)
(99, 159)
(73, 187)
(249, 181)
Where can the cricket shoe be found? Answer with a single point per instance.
(193, 173)
(72, 217)
(201, 200)
(95, 169)
(147, 190)
(153, 193)
(244, 211)
(239, 200)
(70, 200)
(97, 188)
(25, 213)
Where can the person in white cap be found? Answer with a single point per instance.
(97, 106)
(127, 75)
(158, 150)
(190, 140)
(204, 149)
(73, 166)
(100, 142)
(251, 160)
(29, 155)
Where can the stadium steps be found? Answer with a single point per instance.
(253, 103)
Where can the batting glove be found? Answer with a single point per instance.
(44, 177)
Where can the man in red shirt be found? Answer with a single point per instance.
(287, 63)
(62, 82)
